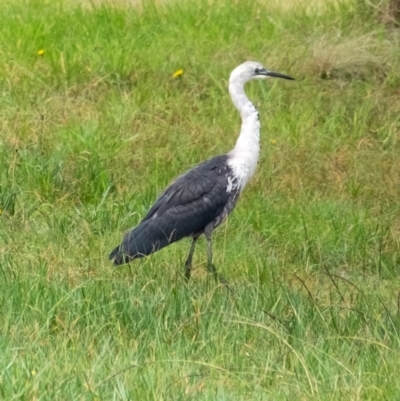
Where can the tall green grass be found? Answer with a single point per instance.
(92, 130)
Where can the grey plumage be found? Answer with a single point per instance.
(199, 200)
(193, 202)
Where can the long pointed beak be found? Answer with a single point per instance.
(278, 75)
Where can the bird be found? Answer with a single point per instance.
(198, 201)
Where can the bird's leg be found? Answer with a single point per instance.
(188, 263)
(210, 266)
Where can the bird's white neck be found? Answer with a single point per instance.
(244, 157)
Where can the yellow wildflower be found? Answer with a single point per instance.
(272, 141)
(40, 52)
(178, 73)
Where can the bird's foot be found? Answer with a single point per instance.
(218, 277)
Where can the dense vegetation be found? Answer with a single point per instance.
(94, 125)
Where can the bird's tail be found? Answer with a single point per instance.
(117, 256)
(148, 237)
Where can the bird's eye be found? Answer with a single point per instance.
(257, 70)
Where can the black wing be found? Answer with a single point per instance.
(184, 209)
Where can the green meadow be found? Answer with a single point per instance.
(93, 126)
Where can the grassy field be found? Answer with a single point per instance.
(93, 126)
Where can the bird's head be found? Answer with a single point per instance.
(253, 70)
